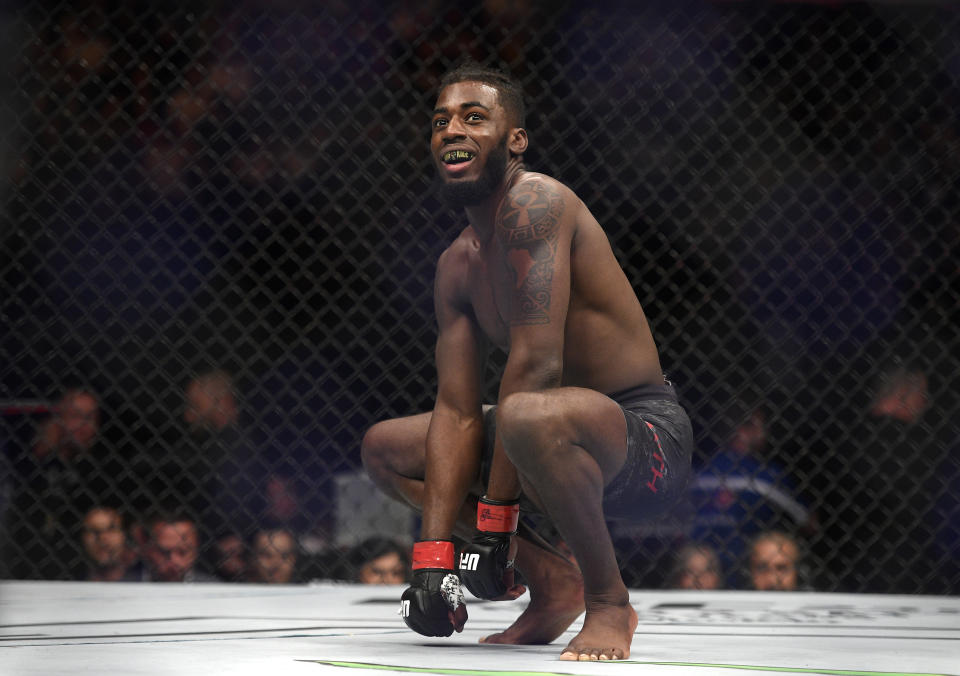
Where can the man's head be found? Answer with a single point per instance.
(697, 567)
(477, 126)
(103, 537)
(171, 548)
(230, 554)
(750, 436)
(78, 415)
(773, 562)
(380, 560)
(273, 556)
(210, 401)
(901, 393)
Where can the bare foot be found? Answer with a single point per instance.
(556, 598)
(606, 635)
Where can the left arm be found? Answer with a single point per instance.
(534, 228)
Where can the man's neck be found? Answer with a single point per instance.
(482, 217)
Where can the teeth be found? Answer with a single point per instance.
(455, 156)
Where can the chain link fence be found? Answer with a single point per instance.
(220, 232)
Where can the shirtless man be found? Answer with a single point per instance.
(585, 427)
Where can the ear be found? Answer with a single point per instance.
(517, 143)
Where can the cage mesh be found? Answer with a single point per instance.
(237, 198)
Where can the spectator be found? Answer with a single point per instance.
(273, 557)
(72, 429)
(696, 567)
(738, 493)
(379, 560)
(106, 547)
(889, 481)
(207, 467)
(171, 549)
(211, 403)
(224, 463)
(230, 558)
(774, 559)
(53, 485)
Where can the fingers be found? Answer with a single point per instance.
(458, 617)
(515, 592)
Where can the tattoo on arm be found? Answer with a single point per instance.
(528, 226)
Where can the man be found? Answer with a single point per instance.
(773, 562)
(379, 560)
(696, 567)
(534, 275)
(109, 558)
(171, 549)
(210, 401)
(741, 491)
(53, 485)
(273, 556)
(72, 429)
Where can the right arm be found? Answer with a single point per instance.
(455, 435)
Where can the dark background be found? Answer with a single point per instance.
(246, 186)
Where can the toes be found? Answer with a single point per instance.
(591, 655)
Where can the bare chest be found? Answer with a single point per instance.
(489, 291)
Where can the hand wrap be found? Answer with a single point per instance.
(485, 564)
(433, 604)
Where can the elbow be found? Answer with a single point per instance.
(532, 375)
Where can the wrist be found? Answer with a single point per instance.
(498, 516)
(433, 554)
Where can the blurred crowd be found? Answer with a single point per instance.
(73, 509)
(213, 510)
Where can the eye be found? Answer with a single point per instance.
(474, 117)
(439, 122)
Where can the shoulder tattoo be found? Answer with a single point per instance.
(528, 226)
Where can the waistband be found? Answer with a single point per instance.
(645, 393)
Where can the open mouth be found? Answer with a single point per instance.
(454, 157)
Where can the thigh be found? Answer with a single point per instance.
(401, 444)
(592, 421)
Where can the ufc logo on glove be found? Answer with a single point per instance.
(469, 561)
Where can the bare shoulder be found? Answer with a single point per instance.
(453, 268)
(456, 255)
(536, 205)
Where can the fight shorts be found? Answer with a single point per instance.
(659, 449)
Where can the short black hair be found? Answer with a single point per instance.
(511, 95)
(373, 548)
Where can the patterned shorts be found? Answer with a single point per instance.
(659, 450)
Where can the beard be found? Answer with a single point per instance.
(470, 193)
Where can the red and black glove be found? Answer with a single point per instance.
(486, 565)
(433, 604)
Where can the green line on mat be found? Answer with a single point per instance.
(508, 672)
(782, 670)
(438, 670)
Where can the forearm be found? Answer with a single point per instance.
(504, 483)
(452, 466)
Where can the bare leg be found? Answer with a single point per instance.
(571, 442)
(394, 455)
(556, 598)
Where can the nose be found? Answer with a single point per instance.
(453, 130)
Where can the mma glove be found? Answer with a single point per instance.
(486, 566)
(433, 604)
